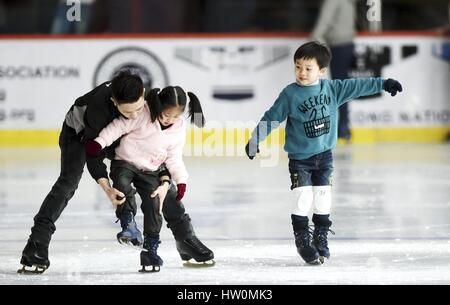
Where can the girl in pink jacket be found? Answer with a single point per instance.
(154, 138)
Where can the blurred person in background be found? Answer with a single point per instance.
(336, 27)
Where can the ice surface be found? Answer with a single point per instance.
(391, 215)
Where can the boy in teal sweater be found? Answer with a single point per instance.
(310, 106)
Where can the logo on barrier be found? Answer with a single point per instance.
(232, 69)
(137, 60)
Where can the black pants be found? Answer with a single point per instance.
(339, 67)
(73, 159)
(123, 174)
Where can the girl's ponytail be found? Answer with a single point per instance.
(154, 104)
(195, 110)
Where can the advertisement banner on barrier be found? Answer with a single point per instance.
(236, 79)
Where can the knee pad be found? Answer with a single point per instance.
(322, 199)
(302, 200)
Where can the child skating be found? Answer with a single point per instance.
(310, 106)
(155, 137)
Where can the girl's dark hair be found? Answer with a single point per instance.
(127, 87)
(314, 49)
(174, 96)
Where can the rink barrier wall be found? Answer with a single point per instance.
(408, 119)
(238, 137)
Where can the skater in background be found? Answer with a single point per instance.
(310, 106)
(336, 26)
(155, 137)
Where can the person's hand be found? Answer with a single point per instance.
(115, 196)
(161, 191)
(392, 86)
(251, 149)
(92, 148)
(181, 190)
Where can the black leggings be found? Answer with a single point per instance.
(123, 175)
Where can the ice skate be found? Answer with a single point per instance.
(130, 234)
(149, 256)
(35, 256)
(322, 225)
(303, 234)
(320, 242)
(194, 253)
(304, 247)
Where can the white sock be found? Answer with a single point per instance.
(302, 199)
(322, 199)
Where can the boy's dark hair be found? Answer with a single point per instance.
(127, 87)
(174, 96)
(314, 49)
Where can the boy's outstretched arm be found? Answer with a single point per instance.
(349, 89)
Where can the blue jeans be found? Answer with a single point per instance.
(316, 170)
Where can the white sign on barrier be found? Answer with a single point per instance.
(236, 79)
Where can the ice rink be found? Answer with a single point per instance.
(391, 215)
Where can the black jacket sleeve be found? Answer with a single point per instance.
(100, 111)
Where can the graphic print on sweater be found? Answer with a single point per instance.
(319, 118)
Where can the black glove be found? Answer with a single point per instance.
(251, 150)
(392, 86)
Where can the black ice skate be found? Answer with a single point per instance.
(130, 234)
(193, 248)
(322, 225)
(303, 235)
(304, 247)
(34, 255)
(149, 256)
(320, 242)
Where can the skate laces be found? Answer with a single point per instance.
(303, 237)
(320, 234)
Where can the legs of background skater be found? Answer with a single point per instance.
(339, 68)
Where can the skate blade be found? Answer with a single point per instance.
(194, 264)
(36, 270)
(154, 269)
(322, 259)
(130, 243)
(316, 262)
